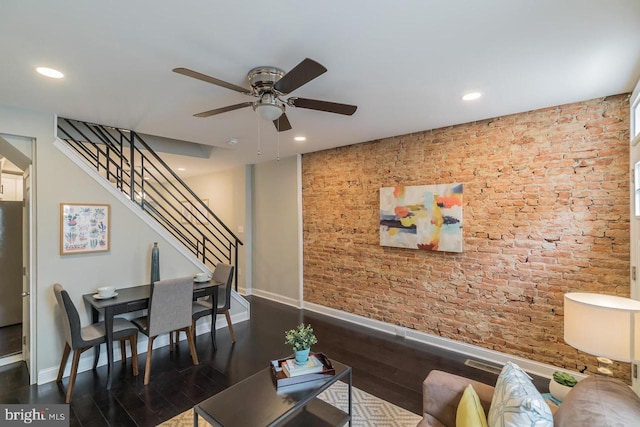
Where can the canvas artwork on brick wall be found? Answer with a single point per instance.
(427, 217)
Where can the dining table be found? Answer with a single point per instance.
(136, 298)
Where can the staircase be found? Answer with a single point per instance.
(124, 159)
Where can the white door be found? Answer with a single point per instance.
(26, 277)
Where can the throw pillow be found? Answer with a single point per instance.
(470, 412)
(516, 401)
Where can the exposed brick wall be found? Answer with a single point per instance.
(546, 211)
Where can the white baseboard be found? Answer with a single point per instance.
(276, 297)
(473, 351)
(11, 359)
(86, 361)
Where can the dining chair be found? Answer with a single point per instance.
(80, 339)
(222, 273)
(169, 310)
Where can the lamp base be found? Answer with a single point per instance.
(604, 364)
(605, 371)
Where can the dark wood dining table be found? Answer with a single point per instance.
(134, 299)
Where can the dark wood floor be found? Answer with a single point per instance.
(10, 340)
(389, 367)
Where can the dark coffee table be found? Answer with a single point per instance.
(256, 402)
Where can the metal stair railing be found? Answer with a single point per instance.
(126, 160)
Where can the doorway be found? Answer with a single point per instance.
(15, 250)
(11, 259)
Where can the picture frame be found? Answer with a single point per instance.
(423, 217)
(185, 212)
(84, 228)
(190, 213)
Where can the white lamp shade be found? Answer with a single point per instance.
(269, 111)
(602, 325)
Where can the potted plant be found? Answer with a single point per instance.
(561, 384)
(301, 338)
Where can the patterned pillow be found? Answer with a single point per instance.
(516, 401)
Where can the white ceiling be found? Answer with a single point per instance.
(405, 64)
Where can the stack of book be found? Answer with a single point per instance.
(285, 372)
(292, 369)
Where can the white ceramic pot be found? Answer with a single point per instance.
(558, 391)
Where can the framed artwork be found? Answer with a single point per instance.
(426, 217)
(185, 216)
(191, 214)
(84, 228)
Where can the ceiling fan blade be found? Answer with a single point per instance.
(329, 107)
(302, 73)
(223, 109)
(282, 123)
(196, 75)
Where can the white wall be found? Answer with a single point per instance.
(276, 236)
(57, 180)
(227, 193)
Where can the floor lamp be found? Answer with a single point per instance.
(606, 326)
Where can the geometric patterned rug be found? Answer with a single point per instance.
(368, 410)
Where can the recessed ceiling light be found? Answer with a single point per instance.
(232, 141)
(471, 96)
(300, 138)
(50, 72)
(181, 169)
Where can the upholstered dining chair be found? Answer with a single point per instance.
(80, 339)
(169, 310)
(222, 273)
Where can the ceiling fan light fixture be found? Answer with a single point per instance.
(269, 112)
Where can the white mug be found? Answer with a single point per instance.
(202, 277)
(106, 291)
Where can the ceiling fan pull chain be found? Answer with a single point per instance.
(259, 152)
(278, 143)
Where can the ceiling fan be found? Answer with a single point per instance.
(270, 85)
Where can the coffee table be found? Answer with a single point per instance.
(255, 402)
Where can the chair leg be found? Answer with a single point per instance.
(147, 365)
(171, 342)
(177, 338)
(192, 346)
(96, 356)
(193, 330)
(123, 352)
(230, 325)
(133, 343)
(63, 362)
(72, 375)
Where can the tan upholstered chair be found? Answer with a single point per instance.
(79, 339)
(169, 310)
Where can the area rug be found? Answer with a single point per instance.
(368, 410)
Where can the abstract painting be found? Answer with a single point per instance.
(427, 217)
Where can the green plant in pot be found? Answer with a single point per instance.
(301, 338)
(561, 385)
